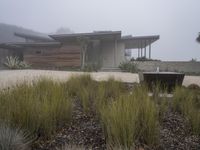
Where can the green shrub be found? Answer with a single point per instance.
(187, 102)
(128, 67)
(130, 118)
(12, 62)
(145, 59)
(15, 63)
(38, 107)
(13, 138)
(91, 67)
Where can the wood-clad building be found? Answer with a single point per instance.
(105, 49)
(58, 57)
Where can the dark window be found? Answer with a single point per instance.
(38, 52)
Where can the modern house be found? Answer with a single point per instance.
(106, 49)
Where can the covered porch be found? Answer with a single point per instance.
(140, 43)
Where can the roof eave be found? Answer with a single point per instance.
(92, 35)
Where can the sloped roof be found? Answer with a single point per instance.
(36, 38)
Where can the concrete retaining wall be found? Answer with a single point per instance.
(180, 66)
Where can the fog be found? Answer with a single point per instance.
(176, 21)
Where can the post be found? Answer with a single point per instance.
(83, 58)
(141, 49)
(145, 50)
(150, 51)
(115, 53)
(138, 52)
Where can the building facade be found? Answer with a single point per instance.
(104, 49)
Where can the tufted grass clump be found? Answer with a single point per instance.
(131, 118)
(187, 101)
(107, 92)
(84, 89)
(14, 138)
(38, 107)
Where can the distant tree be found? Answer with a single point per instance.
(198, 38)
(83, 41)
(63, 30)
(193, 60)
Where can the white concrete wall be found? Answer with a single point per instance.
(180, 66)
(120, 54)
(112, 54)
(107, 53)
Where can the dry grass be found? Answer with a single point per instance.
(39, 107)
(187, 102)
(84, 88)
(43, 105)
(131, 118)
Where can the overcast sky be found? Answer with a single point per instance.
(176, 21)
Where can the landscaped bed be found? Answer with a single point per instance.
(82, 113)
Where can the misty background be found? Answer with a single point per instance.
(176, 21)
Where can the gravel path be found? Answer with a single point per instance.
(175, 133)
(11, 77)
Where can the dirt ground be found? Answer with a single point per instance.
(11, 77)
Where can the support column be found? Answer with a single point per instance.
(150, 51)
(145, 50)
(115, 65)
(138, 52)
(83, 59)
(141, 49)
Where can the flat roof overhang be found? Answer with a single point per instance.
(107, 35)
(34, 37)
(21, 45)
(9, 46)
(138, 41)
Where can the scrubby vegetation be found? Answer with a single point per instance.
(128, 67)
(90, 67)
(131, 118)
(16, 63)
(127, 116)
(187, 101)
(38, 107)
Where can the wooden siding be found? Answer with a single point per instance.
(65, 56)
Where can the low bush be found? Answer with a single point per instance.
(38, 107)
(131, 118)
(187, 102)
(128, 67)
(91, 67)
(14, 138)
(15, 63)
(145, 59)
